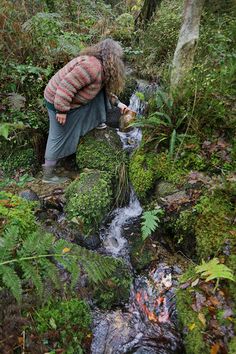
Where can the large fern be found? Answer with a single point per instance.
(38, 256)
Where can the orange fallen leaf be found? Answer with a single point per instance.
(66, 250)
(20, 340)
(215, 348)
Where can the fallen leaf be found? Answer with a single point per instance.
(66, 250)
(192, 326)
(214, 301)
(202, 318)
(195, 282)
(215, 348)
(20, 340)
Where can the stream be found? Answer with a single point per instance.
(148, 323)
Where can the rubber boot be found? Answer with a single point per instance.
(50, 177)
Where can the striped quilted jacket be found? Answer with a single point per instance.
(77, 83)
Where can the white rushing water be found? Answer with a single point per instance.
(114, 242)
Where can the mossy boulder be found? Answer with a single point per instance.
(214, 224)
(88, 199)
(101, 150)
(191, 325)
(142, 172)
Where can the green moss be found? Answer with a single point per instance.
(192, 327)
(114, 290)
(69, 320)
(232, 346)
(213, 224)
(101, 154)
(88, 200)
(142, 172)
(15, 211)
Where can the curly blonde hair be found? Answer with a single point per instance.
(110, 53)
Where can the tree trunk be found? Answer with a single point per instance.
(188, 38)
(147, 11)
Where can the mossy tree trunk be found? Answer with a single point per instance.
(147, 11)
(188, 38)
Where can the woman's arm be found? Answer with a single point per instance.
(116, 102)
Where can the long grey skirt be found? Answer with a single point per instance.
(63, 139)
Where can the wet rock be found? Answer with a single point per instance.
(92, 242)
(113, 117)
(148, 324)
(165, 188)
(29, 194)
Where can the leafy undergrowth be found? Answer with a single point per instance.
(206, 314)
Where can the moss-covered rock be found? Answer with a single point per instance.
(88, 199)
(100, 150)
(192, 327)
(214, 224)
(142, 172)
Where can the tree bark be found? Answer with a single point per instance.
(188, 38)
(147, 11)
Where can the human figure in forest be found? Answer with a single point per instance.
(77, 98)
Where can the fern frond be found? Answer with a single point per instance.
(8, 242)
(36, 244)
(31, 272)
(214, 269)
(50, 270)
(12, 281)
(150, 221)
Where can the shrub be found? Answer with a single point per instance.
(67, 322)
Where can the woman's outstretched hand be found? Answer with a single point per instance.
(61, 118)
(123, 107)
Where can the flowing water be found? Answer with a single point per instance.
(148, 324)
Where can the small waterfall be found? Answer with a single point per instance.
(148, 324)
(114, 243)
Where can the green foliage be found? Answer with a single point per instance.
(150, 221)
(27, 253)
(88, 200)
(214, 270)
(123, 28)
(21, 159)
(162, 127)
(70, 321)
(161, 34)
(115, 289)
